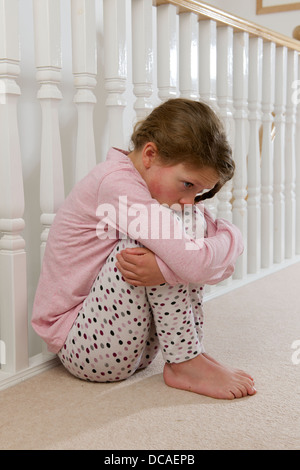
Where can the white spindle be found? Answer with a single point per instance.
(279, 144)
(115, 67)
(48, 64)
(224, 100)
(296, 97)
(254, 180)
(142, 56)
(13, 284)
(188, 55)
(208, 76)
(267, 154)
(84, 58)
(167, 52)
(290, 158)
(240, 96)
(224, 94)
(208, 61)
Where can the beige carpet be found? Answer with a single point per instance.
(253, 327)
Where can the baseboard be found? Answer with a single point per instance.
(238, 283)
(37, 364)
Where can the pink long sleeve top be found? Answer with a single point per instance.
(89, 224)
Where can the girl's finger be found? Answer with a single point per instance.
(126, 262)
(131, 258)
(136, 251)
(126, 273)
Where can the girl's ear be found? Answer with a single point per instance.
(149, 154)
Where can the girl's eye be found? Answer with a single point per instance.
(187, 185)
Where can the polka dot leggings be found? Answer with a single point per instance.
(121, 327)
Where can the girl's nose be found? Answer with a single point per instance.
(187, 200)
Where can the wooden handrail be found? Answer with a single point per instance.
(205, 11)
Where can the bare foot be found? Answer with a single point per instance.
(238, 371)
(206, 377)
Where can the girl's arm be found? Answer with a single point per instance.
(181, 259)
(139, 267)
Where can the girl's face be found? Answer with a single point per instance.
(177, 184)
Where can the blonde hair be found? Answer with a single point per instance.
(189, 132)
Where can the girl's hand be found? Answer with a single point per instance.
(138, 267)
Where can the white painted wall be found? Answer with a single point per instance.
(283, 22)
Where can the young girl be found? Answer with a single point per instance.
(124, 267)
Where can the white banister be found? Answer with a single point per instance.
(290, 157)
(167, 51)
(240, 97)
(254, 164)
(142, 56)
(249, 74)
(84, 60)
(188, 55)
(279, 144)
(13, 276)
(48, 64)
(115, 67)
(267, 154)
